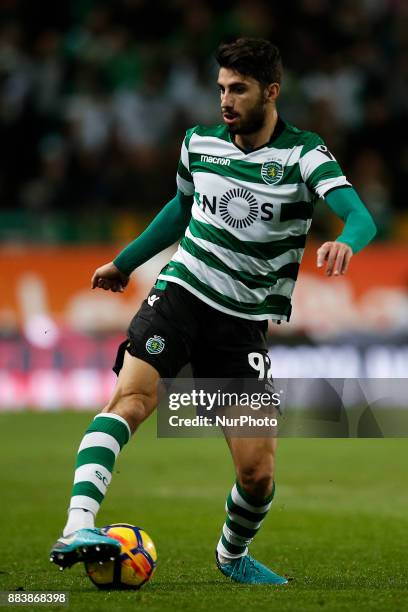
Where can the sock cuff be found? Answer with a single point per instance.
(84, 502)
(75, 508)
(255, 501)
(112, 423)
(226, 552)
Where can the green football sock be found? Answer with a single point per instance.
(100, 446)
(245, 515)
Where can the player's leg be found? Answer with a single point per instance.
(134, 399)
(235, 348)
(254, 461)
(247, 507)
(251, 496)
(159, 339)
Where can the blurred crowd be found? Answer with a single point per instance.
(95, 97)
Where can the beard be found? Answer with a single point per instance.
(252, 122)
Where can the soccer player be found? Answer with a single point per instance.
(244, 204)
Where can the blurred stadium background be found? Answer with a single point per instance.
(94, 100)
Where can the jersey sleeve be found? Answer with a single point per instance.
(319, 168)
(184, 178)
(359, 227)
(165, 229)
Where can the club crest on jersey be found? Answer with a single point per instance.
(155, 345)
(272, 172)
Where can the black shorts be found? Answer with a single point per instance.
(173, 328)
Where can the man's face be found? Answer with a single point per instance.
(243, 102)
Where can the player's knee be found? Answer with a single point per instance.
(133, 406)
(257, 480)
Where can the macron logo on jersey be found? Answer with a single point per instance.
(211, 159)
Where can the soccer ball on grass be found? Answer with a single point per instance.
(135, 564)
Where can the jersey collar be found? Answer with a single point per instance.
(279, 128)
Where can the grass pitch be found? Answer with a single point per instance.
(338, 525)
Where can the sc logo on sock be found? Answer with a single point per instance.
(101, 477)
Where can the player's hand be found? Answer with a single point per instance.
(110, 278)
(336, 256)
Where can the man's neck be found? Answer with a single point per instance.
(249, 142)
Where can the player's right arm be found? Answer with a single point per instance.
(165, 229)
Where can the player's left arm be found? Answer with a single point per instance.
(323, 176)
(359, 229)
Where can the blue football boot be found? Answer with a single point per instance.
(84, 545)
(247, 570)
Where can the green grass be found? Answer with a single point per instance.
(338, 525)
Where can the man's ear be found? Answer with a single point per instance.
(272, 92)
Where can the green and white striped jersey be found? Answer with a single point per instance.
(250, 216)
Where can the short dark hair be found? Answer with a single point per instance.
(253, 57)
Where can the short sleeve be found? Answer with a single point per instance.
(184, 178)
(319, 168)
